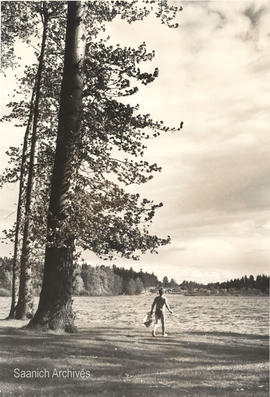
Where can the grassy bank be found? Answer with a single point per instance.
(127, 362)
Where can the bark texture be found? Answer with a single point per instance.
(24, 308)
(15, 264)
(55, 305)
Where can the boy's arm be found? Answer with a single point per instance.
(167, 305)
(153, 305)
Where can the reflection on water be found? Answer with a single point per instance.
(245, 315)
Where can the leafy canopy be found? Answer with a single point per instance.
(100, 214)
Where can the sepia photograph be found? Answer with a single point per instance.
(134, 198)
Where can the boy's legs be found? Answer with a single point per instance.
(155, 326)
(163, 324)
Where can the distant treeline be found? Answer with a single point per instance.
(246, 283)
(261, 282)
(88, 280)
(107, 280)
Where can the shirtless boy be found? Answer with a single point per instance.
(160, 302)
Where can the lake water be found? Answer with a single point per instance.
(245, 315)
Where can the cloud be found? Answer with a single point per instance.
(216, 172)
(253, 14)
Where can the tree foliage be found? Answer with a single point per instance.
(101, 215)
(261, 282)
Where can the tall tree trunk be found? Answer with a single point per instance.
(55, 305)
(15, 262)
(24, 308)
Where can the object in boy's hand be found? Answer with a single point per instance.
(148, 319)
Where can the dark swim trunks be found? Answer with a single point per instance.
(159, 314)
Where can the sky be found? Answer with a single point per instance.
(213, 75)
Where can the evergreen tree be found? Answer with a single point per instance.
(173, 283)
(139, 285)
(131, 287)
(165, 282)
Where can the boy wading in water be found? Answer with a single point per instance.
(160, 302)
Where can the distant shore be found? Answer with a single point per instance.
(233, 292)
(196, 292)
